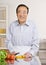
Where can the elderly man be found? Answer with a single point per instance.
(22, 37)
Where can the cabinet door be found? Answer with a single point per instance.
(3, 23)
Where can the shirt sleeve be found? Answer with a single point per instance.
(8, 41)
(35, 41)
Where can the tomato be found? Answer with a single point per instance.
(12, 57)
(8, 56)
(11, 61)
(7, 61)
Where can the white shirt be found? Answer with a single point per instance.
(23, 35)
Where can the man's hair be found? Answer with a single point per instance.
(21, 6)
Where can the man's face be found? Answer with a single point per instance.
(22, 14)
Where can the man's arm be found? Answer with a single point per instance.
(9, 39)
(35, 45)
(35, 42)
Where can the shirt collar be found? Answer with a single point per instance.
(27, 23)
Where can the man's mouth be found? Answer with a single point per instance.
(22, 17)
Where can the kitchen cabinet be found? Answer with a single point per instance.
(3, 23)
(42, 51)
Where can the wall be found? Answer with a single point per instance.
(39, 15)
(37, 12)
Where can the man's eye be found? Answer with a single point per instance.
(19, 11)
(24, 12)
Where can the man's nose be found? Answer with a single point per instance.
(22, 13)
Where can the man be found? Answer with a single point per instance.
(22, 32)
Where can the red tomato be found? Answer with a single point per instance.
(8, 56)
(7, 61)
(12, 57)
(11, 61)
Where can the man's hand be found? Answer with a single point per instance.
(28, 56)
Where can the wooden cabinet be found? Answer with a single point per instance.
(3, 23)
(42, 52)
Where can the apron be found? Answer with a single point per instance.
(22, 50)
